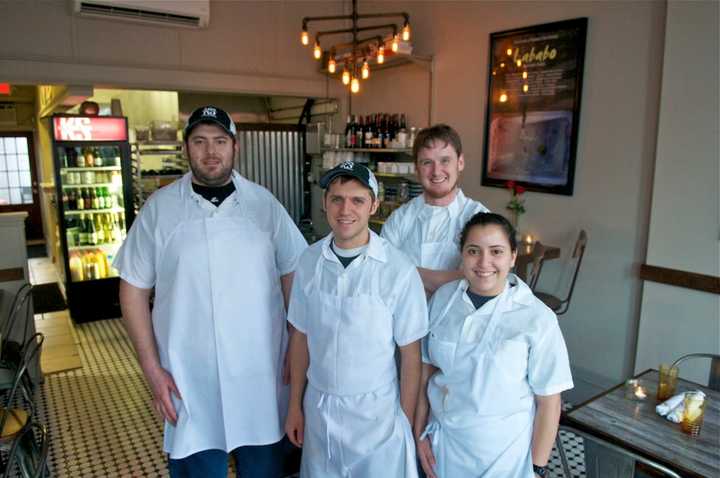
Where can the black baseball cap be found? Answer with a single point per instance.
(210, 114)
(353, 170)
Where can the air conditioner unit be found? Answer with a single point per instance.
(181, 13)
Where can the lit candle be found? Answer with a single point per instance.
(640, 393)
(529, 239)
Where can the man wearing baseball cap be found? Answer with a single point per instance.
(219, 252)
(355, 300)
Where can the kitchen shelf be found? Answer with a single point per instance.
(76, 212)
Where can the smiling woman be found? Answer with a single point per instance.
(474, 353)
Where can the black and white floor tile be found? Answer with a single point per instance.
(101, 424)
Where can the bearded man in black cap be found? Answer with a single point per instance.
(220, 252)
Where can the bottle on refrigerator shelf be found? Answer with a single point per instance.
(80, 160)
(72, 200)
(94, 201)
(91, 231)
(82, 231)
(65, 200)
(77, 272)
(99, 231)
(80, 202)
(97, 159)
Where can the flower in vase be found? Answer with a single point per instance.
(516, 205)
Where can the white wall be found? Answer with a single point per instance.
(614, 157)
(685, 220)
(249, 47)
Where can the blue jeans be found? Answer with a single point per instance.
(263, 461)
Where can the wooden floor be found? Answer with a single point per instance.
(60, 349)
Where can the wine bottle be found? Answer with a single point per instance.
(348, 132)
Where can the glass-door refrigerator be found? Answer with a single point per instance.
(94, 190)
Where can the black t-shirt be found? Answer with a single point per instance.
(215, 194)
(346, 260)
(478, 300)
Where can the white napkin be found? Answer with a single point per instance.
(672, 408)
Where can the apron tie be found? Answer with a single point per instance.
(325, 412)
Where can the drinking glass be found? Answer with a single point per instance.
(667, 382)
(694, 412)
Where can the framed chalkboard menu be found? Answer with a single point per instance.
(533, 106)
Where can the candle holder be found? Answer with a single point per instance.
(635, 391)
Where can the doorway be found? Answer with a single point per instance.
(18, 181)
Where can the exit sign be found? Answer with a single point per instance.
(4, 88)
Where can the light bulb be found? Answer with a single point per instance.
(406, 32)
(304, 38)
(509, 51)
(519, 63)
(365, 70)
(525, 88)
(502, 65)
(346, 77)
(503, 98)
(355, 85)
(381, 55)
(395, 43)
(332, 65)
(317, 51)
(524, 75)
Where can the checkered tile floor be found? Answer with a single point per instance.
(101, 424)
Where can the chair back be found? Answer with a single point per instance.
(536, 263)
(578, 254)
(20, 382)
(628, 455)
(20, 301)
(714, 377)
(30, 451)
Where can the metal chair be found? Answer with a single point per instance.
(21, 302)
(14, 421)
(536, 262)
(714, 377)
(30, 452)
(625, 467)
(560, 306)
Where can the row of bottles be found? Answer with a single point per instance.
(90, 177)
(76, 157)
(95, 229)
(91, 198)
(379, 130)
(90, 265)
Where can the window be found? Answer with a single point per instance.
(15, 178)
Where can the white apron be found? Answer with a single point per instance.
(354, 425)
(481, 412)
(219, 325)
(443, 255)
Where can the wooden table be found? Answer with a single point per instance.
(524, 258)
(637, 427)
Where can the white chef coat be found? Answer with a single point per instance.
(218, 315)
(353, 318)
(492, 362)
(430, 235)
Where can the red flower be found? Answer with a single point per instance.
(510, 184)
(519, 190)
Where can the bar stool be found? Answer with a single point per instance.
(714, 377)
(536, 263)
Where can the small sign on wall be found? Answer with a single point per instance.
(533, 106)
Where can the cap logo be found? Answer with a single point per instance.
(209, 112)
(349, 165)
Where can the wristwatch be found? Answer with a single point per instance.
(541, 471)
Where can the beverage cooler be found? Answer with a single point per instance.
(94, 190)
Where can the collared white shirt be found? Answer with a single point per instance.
(417, 224)
(218, 315)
